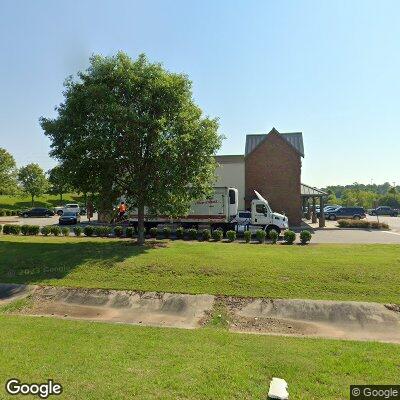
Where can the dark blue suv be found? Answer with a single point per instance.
(346, 213)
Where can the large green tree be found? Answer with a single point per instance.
(33, 180)
(8, 173)
(58, 181)
(131, 127)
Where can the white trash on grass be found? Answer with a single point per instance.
(278, 389)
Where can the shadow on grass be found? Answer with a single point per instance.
(27, 262)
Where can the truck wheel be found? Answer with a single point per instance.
(59, 212)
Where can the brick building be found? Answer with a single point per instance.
(272, 166)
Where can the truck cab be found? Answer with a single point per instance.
(263, 216)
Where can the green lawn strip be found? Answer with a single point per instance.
(22, 201)
(107, 361)
(337, 272)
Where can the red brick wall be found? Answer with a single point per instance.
(274, 170)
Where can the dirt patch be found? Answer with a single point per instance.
(312, 318)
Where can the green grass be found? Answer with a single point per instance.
(16, 305)
(341, 272)
(22, 201)
(106, 361)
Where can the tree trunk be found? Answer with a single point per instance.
(61, 197)
(141, 224)
(32, 199)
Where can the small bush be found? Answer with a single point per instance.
(153, 232)
(362, 224)
(8, 213)
(1, 228)
(231, 236)
(247, 236)
(65, 231)
(25, 229)
(56, 230)
(15, 229)
(88, 230)
(289, 237)
(192, 233)
(45, 230)
(102, 231)
(217, 235)
(78, 231)
(166, 232)
(129, 231)
(2, 213)
(305, 237)
(260, 235)
(33, 230)
(180, 232)
(6, 229)
(14, 212)
(206, 235)
(118, 231)
(273, 235)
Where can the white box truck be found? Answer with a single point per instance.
(220, 210)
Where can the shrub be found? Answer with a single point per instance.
(153, 232)
(166, 232)
(102, 231)
(247, 236)
(129, 231)
(273, 235)
(65, 231)
(118, 231)
(8, 213)
(179, 232)
(289, 237)
(260, 235)
(217, 235)
(2, 213)
(88, 230)
(56, 230)
(10, 229)
(206, 235)
(362, 224)
(305, 237)
(231, 236)
(25, 229)
(1, 228)
(192, 233)
(45, 230)
(14, 212)
(78, 230)
(33, 230)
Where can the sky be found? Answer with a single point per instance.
(330, 69)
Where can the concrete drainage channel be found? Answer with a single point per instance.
(313, 318)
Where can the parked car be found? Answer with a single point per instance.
(327, 209)
(346, 212)
(384, 210)
(37, 212)
(69, 217)
(68, 207)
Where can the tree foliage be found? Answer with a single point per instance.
(58, 181)
(32, 180)
(132, 128)
(8, 173)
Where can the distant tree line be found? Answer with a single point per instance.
(367, 196)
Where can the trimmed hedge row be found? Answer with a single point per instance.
(354, 223)
(4, 212)
(217, 235)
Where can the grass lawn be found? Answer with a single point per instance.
(22, 201)
(106, 361)
(341, 272)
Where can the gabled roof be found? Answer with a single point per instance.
(295, 139)
(311, 191)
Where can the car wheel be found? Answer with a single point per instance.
(59, 212)
(356, 217)
(332, 217)
(25, 215)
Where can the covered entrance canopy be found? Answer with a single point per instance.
(311, 193)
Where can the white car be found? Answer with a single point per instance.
(68, 207)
